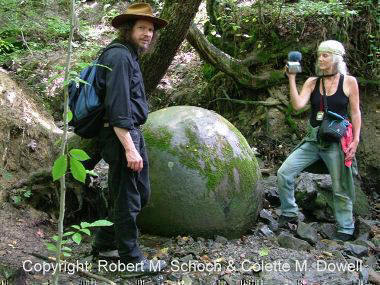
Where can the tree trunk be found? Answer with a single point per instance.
(179, 14)
(237, 69)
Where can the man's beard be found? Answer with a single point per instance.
(139, 49)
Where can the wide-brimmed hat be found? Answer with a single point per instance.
(139, 11)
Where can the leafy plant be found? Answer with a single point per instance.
(75, 236)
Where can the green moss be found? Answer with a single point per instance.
(205, 160)
(160, 139)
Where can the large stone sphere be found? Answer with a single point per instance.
(203, 175)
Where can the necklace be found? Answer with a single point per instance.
(328, 91)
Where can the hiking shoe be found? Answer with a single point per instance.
(107, 254)
(342, 237)
(283, 221)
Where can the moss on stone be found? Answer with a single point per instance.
(159, 139)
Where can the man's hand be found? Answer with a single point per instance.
(351, 150)
(134, 160)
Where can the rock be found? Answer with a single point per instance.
(376, 241)
(200, 239)
(371, 261)
(307, 232)
(357, 250)
(269, 188)
(288, 241)
(266, 231)
(221, 240)
(363, 275)
(186, 280)
(324, 215)
(174, 276)
(266, 215)
(306, 190)
(314, 192)
(327, 230)
(203, 175)
(275, 123)
(364, 228)
(365, 243)
(186, 258)
(374, 276)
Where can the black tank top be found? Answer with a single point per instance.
(336, 103)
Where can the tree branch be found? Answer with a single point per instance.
(237, 69)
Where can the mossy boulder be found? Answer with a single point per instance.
(203, 175)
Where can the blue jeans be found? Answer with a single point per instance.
(341, 176)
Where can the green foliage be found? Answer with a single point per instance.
(209, 71)
(59, 167)
(271, 29)
(56, 27)
(20, 196)
(76, 167)
(31, 22)
(76, 235)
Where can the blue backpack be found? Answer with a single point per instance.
(87, 107)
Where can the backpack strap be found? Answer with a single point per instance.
(110, 47)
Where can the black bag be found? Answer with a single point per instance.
(333, 126)
(86, 106)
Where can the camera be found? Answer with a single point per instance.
(293, 64)
(294, 67)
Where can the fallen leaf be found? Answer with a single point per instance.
(40, 233)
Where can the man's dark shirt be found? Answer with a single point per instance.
(122, 88)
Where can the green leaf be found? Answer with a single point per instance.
(79, 154)
(101, 223)
(85, 225)
(86, 231)
(55, 238)
(66, 254)
(66, 82)
(69, 233)
(59, 167)
(77, 238)
(51, 247)
(105, 66)
(65, 248)
(264, 251)
(77, 170)
(92, 173)
(6, 175)
(57, 67)
(76, 227)
(69, 116)
(27, 194)
(82, 81)
(16, 199)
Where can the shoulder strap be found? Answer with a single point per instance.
(324, 96)
(340, 84)
(110, 47)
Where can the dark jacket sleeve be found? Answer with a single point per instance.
(118, 97)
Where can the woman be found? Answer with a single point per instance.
(342, 92)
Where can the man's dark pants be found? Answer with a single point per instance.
(129, 192)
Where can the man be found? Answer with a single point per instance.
(123, 146)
